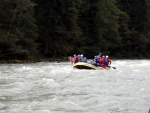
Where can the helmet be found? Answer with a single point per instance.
(106, 56)
(74, 55)
(81, 55)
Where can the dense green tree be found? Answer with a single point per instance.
(99, 23)
(120, 28)
(18, 31)
(58, 29)
(147, 51)
(134, 31)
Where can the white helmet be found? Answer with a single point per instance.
(106, 56)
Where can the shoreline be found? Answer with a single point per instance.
(18, 61)
(63, 59)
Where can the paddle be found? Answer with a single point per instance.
(112, 67)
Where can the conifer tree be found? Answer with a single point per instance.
(58, 29)
(134, 38)
(18, 29)
(99, 23)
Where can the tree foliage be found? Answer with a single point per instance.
(58, 29)
(135, 26)
(18, 30)
(54, 28)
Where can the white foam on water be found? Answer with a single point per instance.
(51, 87)
(48, 83)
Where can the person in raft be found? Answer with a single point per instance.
(75, 59)
(96, 61)
(100, 55)
(83, 58)
(109, 60)
(104, 61)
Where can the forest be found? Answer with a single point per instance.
(36, 29)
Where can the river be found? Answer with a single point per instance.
(54, 87)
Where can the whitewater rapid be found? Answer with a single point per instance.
(54, 87)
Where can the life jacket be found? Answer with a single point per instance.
(109, 61)
(102, 63)
(76, 59)
(97, 62)
(81, 59)
(106, 62)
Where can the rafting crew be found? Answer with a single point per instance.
(78, 58)
(101, 61)
(98, 61)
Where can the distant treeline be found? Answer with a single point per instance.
(32, 29)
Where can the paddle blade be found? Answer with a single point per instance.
(114, 67)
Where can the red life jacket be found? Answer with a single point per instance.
(102, 63)
(76, 59)
(109, 61)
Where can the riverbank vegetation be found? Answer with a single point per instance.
(37, 29)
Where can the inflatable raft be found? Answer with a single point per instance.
(83, 65)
